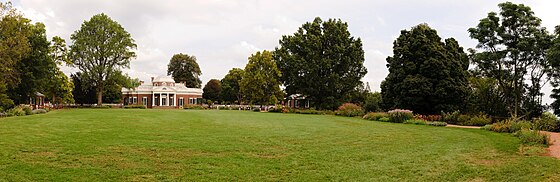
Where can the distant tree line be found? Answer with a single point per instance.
(503, 76)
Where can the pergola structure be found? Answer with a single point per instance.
(38, 101)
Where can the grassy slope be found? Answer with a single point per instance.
(88, 145)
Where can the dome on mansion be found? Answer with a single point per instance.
(163, 92)
(163, 79)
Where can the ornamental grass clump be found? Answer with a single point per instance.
(547, 122)
(375, 116)
(532, 137)
(350, 110)
(399, 115)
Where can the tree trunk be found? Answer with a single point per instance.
(100, 95)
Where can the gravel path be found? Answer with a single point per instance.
(554, 148)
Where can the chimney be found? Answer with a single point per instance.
(152, 79)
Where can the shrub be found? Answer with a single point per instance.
(479, 120)
(415, 121)
(135, 107)
(350, 110)
(450, 118)
(501, 127)
(375, 116)
(27, 109)
(436, 123)
(256, 109)
(547, 122)
(384, 119)
(509, 126)
(329, 112)
(399, 115)
(487, 127)
(275, 109)
(532, 137)
(519, 125)
(39, 111)
(463, 119)
(16, 111)
(193, 106)
(428, 117)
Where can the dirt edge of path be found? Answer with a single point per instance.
(554, 144)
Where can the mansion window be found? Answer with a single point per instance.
(181, 101)
(145, 101)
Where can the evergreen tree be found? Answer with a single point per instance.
(426, 75)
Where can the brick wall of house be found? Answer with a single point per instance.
(186, 97)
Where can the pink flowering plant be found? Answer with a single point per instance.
(399, 115)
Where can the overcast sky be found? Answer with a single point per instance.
(223, 33)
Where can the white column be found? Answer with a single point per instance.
(159, 98)
(153, 98)
(167, 103)
(175, 99)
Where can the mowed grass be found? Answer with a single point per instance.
(170, 145)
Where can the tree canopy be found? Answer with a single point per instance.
(212, 90)
(260, 83)
(553, 56)
(512, 47)
(101, 47)
(321, 61)
(426, 75)
(231, 91)
(184, 68)
(14, 46)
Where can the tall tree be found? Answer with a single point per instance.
(260, 83)
(59, 87)
(553, 56)
(212, 90)
(14, 46)
(101, 47)
(184, 68)
(321, 61)
(59, 51)
(426, 75)
(230, 86)
(35, 69)
(512, 47)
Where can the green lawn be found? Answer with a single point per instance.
(118, 144)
